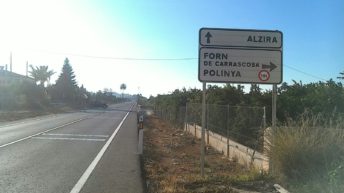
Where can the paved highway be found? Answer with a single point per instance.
(88, 152)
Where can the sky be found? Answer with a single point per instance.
(152, 45)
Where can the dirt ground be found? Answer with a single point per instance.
(171, 161)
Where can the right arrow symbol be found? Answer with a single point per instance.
(208, 36)
(272, 66)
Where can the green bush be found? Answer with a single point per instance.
(23, 96)
(308, 156)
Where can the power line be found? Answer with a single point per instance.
(179, 59)
(125, 58)
(169, 59)
(305, 73)
(135, 59)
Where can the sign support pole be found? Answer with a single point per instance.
(274, 102)
(203, 128)
(273, 121)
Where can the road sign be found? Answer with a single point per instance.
(240, 56)
(215, 37)
(240, 65)
(264, 75)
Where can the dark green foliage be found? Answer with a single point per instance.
(123, 87)
(23, 96)
(104, 96)
(66, 88)
(246, 125)
(41, 74)
(341, 76)
(321, 97)
(245, 122)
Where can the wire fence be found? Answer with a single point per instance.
(175, 116)
(243, 124)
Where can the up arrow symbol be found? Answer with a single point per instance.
(208, 36)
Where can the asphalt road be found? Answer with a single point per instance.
(91, 151)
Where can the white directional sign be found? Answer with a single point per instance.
(240, 66)
(240, 38)
(240, 56)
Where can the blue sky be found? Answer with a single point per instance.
(45, 32)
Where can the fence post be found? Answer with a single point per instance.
(227, 129)
(264, 118)
(186, 116)
(207, 120)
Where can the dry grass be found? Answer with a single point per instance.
(171, 163)
(308, 156)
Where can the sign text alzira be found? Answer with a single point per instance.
(240, 38)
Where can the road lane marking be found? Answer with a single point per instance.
(74, 135)
(69, 138)
(81, 182)
(28, 137)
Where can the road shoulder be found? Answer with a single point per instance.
(119, 169)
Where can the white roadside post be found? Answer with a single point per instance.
(239, 56)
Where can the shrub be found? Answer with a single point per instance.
(22, 96)
(308, 155)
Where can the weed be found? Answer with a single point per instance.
(307, 155)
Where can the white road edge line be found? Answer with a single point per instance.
(81, 182)
(73, 135)
(28, 137)
(69, 139)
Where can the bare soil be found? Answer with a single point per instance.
(171, 162)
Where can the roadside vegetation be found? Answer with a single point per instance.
(293, 100)
(171, 164)
(307, 147)
(308, 154)
(23, 99)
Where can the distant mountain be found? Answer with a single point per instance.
(119, 95)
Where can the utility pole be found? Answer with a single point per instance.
(27, 68)
(11, 61)
(274, 103)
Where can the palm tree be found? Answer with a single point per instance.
(341, 77)
(41, 74)
(123, 87)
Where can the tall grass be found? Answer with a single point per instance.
(307, 155)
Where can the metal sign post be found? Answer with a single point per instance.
(239, 56)
(273, 121)
(274, 108)
(203, 128)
